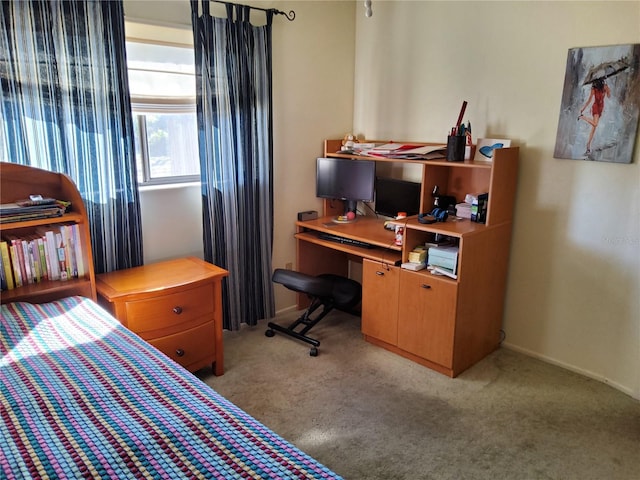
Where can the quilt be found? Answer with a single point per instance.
(83, 397)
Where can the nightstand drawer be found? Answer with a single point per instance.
(194, 346)
(168, 311)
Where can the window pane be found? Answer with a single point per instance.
(172, 144)
(160, 84)
(160, 70)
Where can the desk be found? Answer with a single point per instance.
(316, 255)
(443, 323)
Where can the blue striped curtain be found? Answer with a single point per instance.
(66, 108)
(235, 126)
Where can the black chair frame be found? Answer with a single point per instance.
(327, 291)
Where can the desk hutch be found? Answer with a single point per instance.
(443, 323)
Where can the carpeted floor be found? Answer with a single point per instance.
(369, 414)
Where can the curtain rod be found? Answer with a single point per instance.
(291, 16)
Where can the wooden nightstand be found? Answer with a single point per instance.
(175, 305)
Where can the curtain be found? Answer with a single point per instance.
(65, 107)
(235, 127)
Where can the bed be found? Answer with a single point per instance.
(83, 397)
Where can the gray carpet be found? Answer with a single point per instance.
(369, 414)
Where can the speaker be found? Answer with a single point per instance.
(308, 215)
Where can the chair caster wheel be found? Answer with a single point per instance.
(313, 352)
(269, 333)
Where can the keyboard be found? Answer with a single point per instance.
(344, 240)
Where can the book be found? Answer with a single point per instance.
(3, 276)
(34, 260)
(479, 208)
(48, 236)
(47, 258)
(43, 260)
(16, 242)
(6, 265)
(77, 244)
(31, 210)
(61, 256)
(26, 262)
(69, 251)
(17, 273)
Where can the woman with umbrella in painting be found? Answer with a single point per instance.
(599, 90)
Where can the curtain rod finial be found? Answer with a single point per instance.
(291, 16)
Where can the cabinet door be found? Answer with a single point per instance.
(427, 317)
(380, 285)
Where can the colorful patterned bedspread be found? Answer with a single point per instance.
(82, 397)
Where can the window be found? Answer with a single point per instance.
(162, 86)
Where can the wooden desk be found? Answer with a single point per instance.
(175, 305)
(443, 323)
(316, 255)
(447, 324)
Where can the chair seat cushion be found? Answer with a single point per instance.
(346, 293)
(303, 283)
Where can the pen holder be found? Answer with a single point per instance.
(455, 148)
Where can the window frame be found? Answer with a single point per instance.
(138, 111)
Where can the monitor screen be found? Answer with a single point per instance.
(345, 179)
(393, 196)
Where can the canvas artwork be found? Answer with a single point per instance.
(600, 104)
(486, 146)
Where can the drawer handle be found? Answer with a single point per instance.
(180, 352)
(424, 285)
(177, 310)
(378, 272)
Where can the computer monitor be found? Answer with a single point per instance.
(393, 196)
(346, 179)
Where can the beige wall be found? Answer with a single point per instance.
(574, 291)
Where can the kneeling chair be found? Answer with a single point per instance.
(327, 290)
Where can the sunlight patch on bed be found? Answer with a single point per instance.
(45, 337)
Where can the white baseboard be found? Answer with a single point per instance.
(573, 368)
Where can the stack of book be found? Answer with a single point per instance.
(24, 210)
(51, 252)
